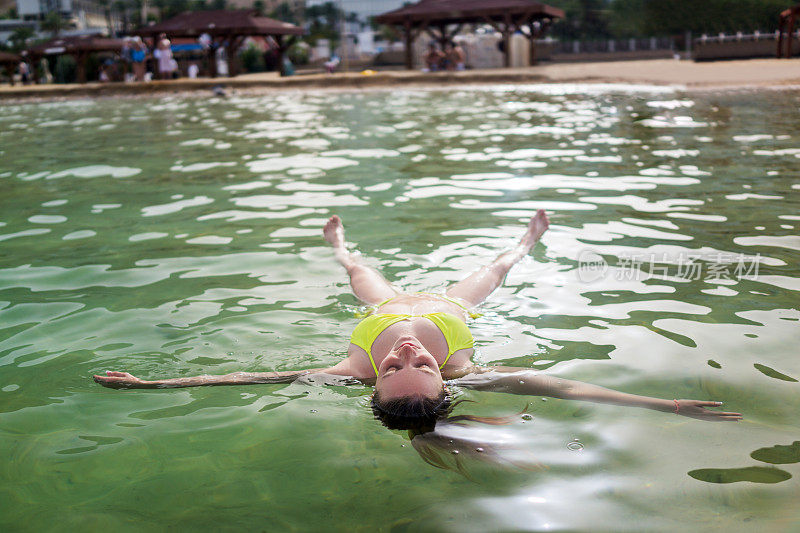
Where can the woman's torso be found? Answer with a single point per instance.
(421, 304)
(420, 327)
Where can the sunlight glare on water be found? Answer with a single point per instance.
(180, 236)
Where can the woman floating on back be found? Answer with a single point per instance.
(416, 344)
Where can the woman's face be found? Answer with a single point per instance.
(409, 370)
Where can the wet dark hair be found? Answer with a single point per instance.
(420, 416)
(417, 413)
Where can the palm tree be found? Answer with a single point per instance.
(106, 5)
(122, 8)
(284, 13)
(161, 5)
(19, 38)
(53, 23)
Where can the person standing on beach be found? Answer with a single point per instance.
(45, 76)
(138, 55)
(24, 73)
(164, 57)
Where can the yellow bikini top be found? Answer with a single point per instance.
(455, 332)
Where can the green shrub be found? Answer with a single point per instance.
(298, 54)
(252, 59)
(66, 70)
(93, 63)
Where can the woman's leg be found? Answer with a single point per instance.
(480, 284)
(367, 284)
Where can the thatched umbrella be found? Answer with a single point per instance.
(505, 16)
(78, 46)
(8, 61)
(231, 26)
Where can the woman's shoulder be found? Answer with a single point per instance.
(353, 366)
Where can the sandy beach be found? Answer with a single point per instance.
(688, 75)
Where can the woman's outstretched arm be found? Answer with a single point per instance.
(124, 380)
(531, 383)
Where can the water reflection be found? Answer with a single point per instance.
(198, 252)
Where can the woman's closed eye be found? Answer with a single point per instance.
(425, 368)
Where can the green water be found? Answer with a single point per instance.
(181, 236)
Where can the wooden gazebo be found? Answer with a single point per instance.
(230, 27)
(443, 19)
(8, 61)
(78, 46)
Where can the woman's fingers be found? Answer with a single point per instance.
(115, 379)
(108, 379)
(700, 403)
(726, 416)
(703, 410)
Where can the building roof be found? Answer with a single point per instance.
(220, 22)
(76, 43)
(7, 57)
(468, 11)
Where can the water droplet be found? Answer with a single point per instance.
(479, 450)
(574, 446)
(526, 416)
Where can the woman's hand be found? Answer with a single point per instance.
(120, 380)
(697, 409)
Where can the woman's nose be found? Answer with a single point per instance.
(405, 353)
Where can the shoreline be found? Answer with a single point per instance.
(681, 75)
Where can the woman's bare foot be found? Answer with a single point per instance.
(334, 232)
(481, 283)
(536, 227)
(367, 283)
